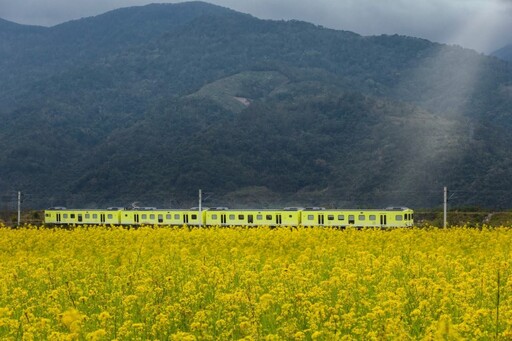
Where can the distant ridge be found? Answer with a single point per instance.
(170, 14)
(504, 53)
(7, 26)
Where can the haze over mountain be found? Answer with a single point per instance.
(151, 103)
(504, 53)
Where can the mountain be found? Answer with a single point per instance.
(151, 103)
(504, 53)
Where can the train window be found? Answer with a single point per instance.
(79, 217)
(94, 216)
(168, 216)
(330, 217)
(87, 216)
(110, 216)
(373, 217)
(341, 217)
(269, 217)
(177, 216)
(151, 216)
(361, 217)
(160, 218)
(240, 217)
(193, 216)
(65, 215)
(259, 217)
(47, 214)
(351, 219)
(311, 217)
(72, 216)
(398, 217)
(144, 216)
(231, 216)
(214, 216)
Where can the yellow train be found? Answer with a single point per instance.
(222, 216)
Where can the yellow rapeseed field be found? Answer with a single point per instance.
(104, 283)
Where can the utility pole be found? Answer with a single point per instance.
(200, 215)
(445, 204)
(19, 208)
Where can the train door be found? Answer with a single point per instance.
(222, 219)
(136, 218)
(279, 219)
(250, 219)
(58, 217)
(383, 220)
(320, 219)
(102, 217)
(185, 218)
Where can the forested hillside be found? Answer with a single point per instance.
(151, 103)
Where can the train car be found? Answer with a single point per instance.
(389, 217)
(222, 216)
(189, 217)
(64, 216)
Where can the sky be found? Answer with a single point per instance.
(483, 25)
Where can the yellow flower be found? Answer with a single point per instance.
(104, 315)
(72, 319)
(96, 335)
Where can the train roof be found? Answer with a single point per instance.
(225, 209)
